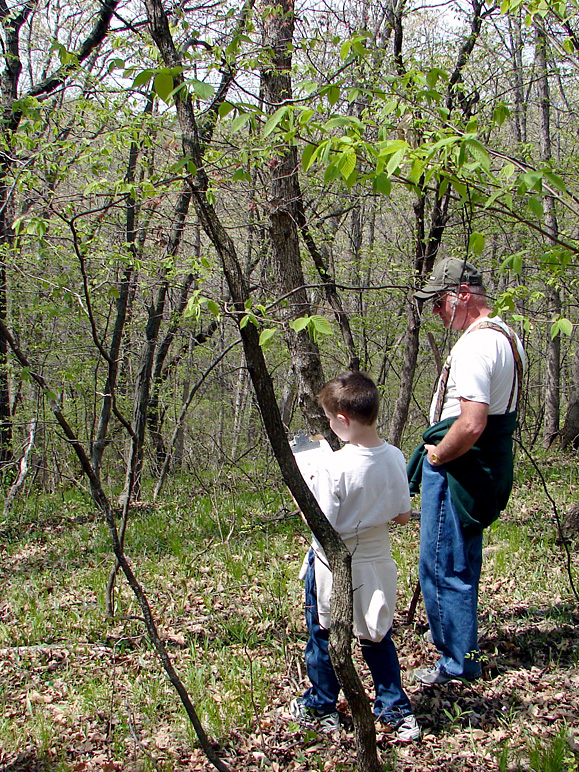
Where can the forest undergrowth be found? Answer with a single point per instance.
(220, 566)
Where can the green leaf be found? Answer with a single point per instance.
(345, 49)
(273, 121)
(202, 89)
(517, 263)
(536, 207)
(347, 163)
(241, 174)
(395, 161)
(561, 325)
(492, 198)
(433, 76)
(390, 107)
(332, 172)
(307, 156)
(507, 171)
(460, 188)
(416, 170)
(478, 152)
(476, 243)
(143, 78)
(500, 113)
(213, 307)
(321, 325)
(343, 120)
(555, 181)
(265, 336)
(531, 181)
(163, 85)
(333, 95)
(312, 154)
(239, 121)
(381, 184)
(225, 108)
(300, 323)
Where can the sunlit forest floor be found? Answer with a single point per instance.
(220, 564)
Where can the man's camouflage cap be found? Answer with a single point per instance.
(447, 275)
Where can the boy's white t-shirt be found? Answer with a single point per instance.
(361, 488)
(482, 369)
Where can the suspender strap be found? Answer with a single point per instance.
(517, 376)
(442, 382)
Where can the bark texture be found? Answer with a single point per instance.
(284, 215)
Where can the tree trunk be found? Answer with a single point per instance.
(284, 214)
(551, 394)
(122, 309)
(570, 431)
(144, 375)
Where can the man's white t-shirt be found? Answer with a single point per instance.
(482, 369)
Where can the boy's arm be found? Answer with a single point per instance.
(402, 518)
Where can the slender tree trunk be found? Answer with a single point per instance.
(570, 431)
(122, 310)
(520, 113)
(239, 402)
(552, 388)
(144, 374)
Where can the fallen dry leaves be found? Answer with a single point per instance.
(531, 689)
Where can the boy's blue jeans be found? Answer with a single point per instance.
(391, 703)
(449, 568)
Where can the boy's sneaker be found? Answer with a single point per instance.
(312, 718)
(408, 729)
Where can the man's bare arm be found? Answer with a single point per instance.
(463, 433)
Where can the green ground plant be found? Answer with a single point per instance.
(221, 576)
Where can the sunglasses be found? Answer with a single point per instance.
(439, 300)
(437, 303)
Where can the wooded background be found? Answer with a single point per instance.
(334, 153)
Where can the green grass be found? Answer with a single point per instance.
(220, 572)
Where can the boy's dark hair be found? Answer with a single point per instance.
(352, 393)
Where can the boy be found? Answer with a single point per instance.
(360, 488)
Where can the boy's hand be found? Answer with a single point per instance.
(403, 518)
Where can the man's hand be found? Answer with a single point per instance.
(462, 435)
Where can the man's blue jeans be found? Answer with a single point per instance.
(391, 703)
(449, 567)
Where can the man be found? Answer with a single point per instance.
(467, 469)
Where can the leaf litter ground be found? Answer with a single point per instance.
(82, 694)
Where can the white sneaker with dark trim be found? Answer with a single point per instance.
(312, 718)
(408, 730)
